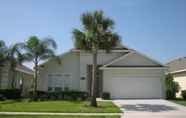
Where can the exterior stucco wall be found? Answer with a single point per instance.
(86, 59)
(26, 79)
(129, 80)
(5, 80)
(27, 84)
(181, 79)
(135, 59)
(69, 64)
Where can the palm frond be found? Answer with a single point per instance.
(87, 21)
(80, 41)
(97, 32)
(49, 42)
(48, 53)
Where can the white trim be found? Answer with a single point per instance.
(21, 70)
(117, 59)
(107, 68)
(178, 71)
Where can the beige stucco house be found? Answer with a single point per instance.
(124, 73)
(177, 68)
(23, 78)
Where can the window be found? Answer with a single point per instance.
(59, 82)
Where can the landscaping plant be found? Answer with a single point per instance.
(183, 93)
(172, 87)
(38, 50)
(97, 33)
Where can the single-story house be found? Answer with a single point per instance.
(124, 73)
(177, 68)
(23, 78)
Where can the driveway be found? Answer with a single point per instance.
(150, 109)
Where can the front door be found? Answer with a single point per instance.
(99, 80)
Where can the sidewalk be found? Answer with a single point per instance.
(62, 114)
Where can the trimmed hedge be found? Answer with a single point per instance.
(10, 93)
(64, 95)
(183, 93)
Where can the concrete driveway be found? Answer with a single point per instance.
(150, 109)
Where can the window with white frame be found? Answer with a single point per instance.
(59, 82)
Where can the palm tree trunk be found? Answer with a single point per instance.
(94, 77)
(13, 78)
(35, 80)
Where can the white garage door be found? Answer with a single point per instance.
(134, 87)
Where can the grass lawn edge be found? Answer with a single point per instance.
(58, 107)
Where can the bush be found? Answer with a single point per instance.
(183, 94)
(172, 87)
(170, 94)
(75, 95)
(106, 95)
(2, 98)
(63, 95)
(10, 93)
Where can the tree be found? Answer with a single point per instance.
(97, 33)
(172, 87)
(14, 57)
(3, 56)
(37, 50)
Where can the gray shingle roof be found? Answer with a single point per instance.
(177, 64)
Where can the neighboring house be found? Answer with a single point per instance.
(124, 73)
(177, 68)
(23, 78)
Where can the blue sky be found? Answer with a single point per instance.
(156, 28)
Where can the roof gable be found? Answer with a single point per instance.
(133, 59)
(177, 65)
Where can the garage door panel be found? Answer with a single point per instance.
(134, 87)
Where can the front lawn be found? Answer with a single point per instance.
(180, 101)
(59, 116)
(57, 106)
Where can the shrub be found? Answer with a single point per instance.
(106, 95)
(172, 87)
(40, 95)
(2, 98)
(75, 95)
(10, 93)
(63, 95)
(183, 94)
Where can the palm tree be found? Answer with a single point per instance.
(14, 57)
(97, 33)
(3, 55)
(38, 50)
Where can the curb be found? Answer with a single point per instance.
(61, 114)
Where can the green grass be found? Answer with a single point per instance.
(180, 101)
(59, 116)
(58, 106)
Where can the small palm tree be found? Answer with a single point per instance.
(96, 34)
(14, 57)
(38, 50)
